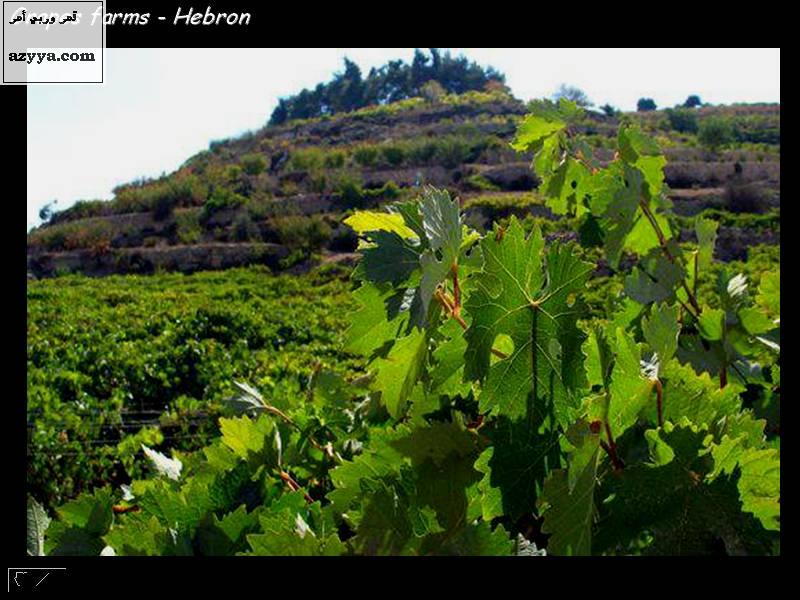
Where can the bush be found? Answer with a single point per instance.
(432, 91)
(682, 120)
(189, 230)
(244, 230)
(308, 234)
(715, 132)
(646, 104)
(164, 207)
(349, 190)
(253, 164)
(394, 154)
(366, 155)
(742, 197)
(452, 151)
(220, 199)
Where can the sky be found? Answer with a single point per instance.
(158, 107)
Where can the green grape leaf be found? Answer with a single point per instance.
(399, 371)
(226, 536)
(534, 129)
(378, 460)
(389, 259)
(661, 331)
(546, 365)
(684, 513)
(655, 278)
(448, 370)
(252, 440)
(91, 512)
(366, 221)
(711, 324)
(390, 523)
(642, 151)
(568, 495)
(706, 231)
(37, 522)
(695, 397)
(476, 539)
(754, 321)
(441, 221)
(370, 327)
(286, 532)
(514, 467)
(630, 389)
(599, 358)
(759, 482)
(769, 293)
(139, 535)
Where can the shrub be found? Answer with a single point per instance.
(715, 132)
(682, 120)
(189, 230)
(366, 155)
(253, 164)
(307, 234)
(164, 207)
(479, 183)
(740, 197)
(244, 229)
(394, 154)
(220, 199)
(334, 159)
(432, 91)
(452, 151)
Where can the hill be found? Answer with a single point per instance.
(278, 196)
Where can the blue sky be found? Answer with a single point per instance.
(160, 106)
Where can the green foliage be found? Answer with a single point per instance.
(682, 120)
(645, 104)
(253, 164)
(715, 132)
(430, 76)
(490, 406)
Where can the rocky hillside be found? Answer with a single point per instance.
(278, 196)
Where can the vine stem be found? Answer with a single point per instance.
(456, 290)
(294, 486)
(662, 241)
(660, 402)
(611, 448)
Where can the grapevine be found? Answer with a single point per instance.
(494, 418)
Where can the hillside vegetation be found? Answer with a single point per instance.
(278, 196)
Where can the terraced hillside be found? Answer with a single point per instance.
(278, 196)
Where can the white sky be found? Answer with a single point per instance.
(160, 106)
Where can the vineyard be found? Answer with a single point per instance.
(467, 388)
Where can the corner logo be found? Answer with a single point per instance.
(53, 42)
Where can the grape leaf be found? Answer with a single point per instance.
(510, 298)
(441, 221)
(568, 496)
(365, 221)
(684, 513)
(661, 331)
(398, 372)
(759, 482)
(37, 522)
(630, 390)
